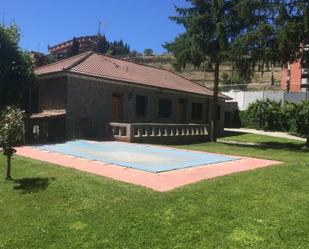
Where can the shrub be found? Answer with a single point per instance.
(288, 122)
(148, 52)
(301, 117)
(11, 133)
(243, 117)
(271, 115)
(262, 115)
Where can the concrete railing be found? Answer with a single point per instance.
(136, 131)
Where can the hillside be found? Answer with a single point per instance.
(260, 80)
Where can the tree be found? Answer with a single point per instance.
(74, 49)
(16, 68)
(11, 133)
(39, 59)
(50, 58)
(239, 31)
(118, 48)
(148, 52)
(102, 44)
(292, 22)
(134, 53)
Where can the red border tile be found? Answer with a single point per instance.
(157, 181)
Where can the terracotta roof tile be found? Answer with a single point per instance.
(61, 65)
(98, 65)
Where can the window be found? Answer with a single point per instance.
(227, 118)
(197, 111)
(218, 112)
(141, 105)
(207, 111)
(165, 108)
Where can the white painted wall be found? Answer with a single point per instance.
(244, 99)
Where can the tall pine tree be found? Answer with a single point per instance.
(239, 31)
(291, 18)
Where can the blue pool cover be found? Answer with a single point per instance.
(138, 156)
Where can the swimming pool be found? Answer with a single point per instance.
(143, 157)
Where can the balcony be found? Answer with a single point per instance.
(305, 73)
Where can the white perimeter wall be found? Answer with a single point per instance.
(244, 99)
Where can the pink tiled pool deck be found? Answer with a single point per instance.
(164, 181)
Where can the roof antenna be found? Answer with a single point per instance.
(101, 24)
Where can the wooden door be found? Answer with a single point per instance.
(182, 111)
(117, 108)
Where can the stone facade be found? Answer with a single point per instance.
(52, 94)
(88, 101)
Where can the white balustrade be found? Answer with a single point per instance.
(133, 131)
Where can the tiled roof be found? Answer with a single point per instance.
(93, 64)
(61, 65)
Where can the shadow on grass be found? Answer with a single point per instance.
(232, 133)
(288, 146)
(31, 185)
(272, 145)
(293, 146)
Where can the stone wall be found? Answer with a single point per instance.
(52, 94)
(89, 102)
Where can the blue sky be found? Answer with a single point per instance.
(140, 23)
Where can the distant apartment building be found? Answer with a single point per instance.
(295, 78)
(86, 43)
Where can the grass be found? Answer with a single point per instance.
(54, 207)
(252, 138)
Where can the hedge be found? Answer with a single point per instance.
(274, 116)
(263, 115)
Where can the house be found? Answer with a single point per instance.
(86, 43)
(96, 96)
(39, 58)
(295, 77)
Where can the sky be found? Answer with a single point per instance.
(140, 23)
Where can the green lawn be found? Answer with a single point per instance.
(252, 138)
(56, 207)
